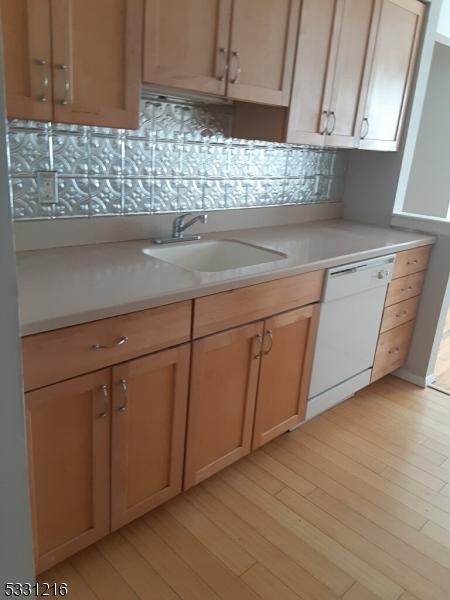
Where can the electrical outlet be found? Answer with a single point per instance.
(47, 182)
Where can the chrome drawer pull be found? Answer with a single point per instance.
(403, 314)
(333, 127)
(235, 55)
(45, 82)
(104, 390)
(325, 117)
(413, 262)
(394, 350)
(64, 69)
(223, 54)
(258, 339)
(408, 289)
(120, 342)
(124, 386)
(366, 133)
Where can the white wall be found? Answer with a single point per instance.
(15, 532)
(444, 20)
(428, 190)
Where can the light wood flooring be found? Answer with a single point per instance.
(442, 369)
(355, 505)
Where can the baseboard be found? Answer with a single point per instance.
(422, 382)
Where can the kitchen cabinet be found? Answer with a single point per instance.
(243, 49)
(27, 58)
(334, 51)
(391, 74)
(148, 431)
(66, 62)
(69, 452)
(186, 44)
(224, 379)
(353, 71)
(286, 361)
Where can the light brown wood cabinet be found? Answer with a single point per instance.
(286, 361)
(148, 430)
(65, 61)
(391, 73)
(68, 428)
(224, 381)
(248, 385)
(353, 72)
(243, 49)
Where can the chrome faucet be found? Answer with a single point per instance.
(179, 226)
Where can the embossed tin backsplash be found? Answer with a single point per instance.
(182, 158)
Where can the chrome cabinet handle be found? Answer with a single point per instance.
(394, 350)
(403, 314)
(44, 64)
(235, 55)
(120, 342)
(124, 387)
(104, 390)
(258, 340)
(333, 127)
(325, 116)
(408, 289)
(269, 334)
(413, 262)
(65, 69)
(366, 121)
(223, 54)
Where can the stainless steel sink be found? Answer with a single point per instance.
(211, 256)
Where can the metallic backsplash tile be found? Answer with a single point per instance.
(181, 158)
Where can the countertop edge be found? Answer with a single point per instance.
(61, 322)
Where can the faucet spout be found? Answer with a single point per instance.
(179, 227)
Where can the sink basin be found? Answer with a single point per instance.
(210, 256)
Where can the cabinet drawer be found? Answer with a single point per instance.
(244, 305)
(404, 288)
(63, 353)
(392, 350)
(411, 261)
(400, 313)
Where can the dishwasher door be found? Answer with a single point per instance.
(350, 318)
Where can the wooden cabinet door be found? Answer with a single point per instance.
(186, 44)
(224, 378)
(69, 451)
(97, 61)
(286, 363)
(351, 73)
(317, 45)
(148, 432)
(262, 49)
(27, 58)
(391, 74)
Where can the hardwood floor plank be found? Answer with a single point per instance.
(134, 569)
(382, 538)
(101, 577)
(261, 477)
(437, 533)
(267, 586)
(420, 490)
(428, 507)
(359, 592)
(324, 544)
(427, 473)
(77, 588)
(215, 539)
(439, 447)
(215, 574)
(278, 563)
(287, 476)
(186, 583)
(369, 492)
(394, 576)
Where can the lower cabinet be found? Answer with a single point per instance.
(248, 385)
(224, 379)
(285, 372)
(69, 456)
(148, 432)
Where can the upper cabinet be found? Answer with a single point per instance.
(243, 49)
(27, 58)
(186, 44)
(391, 73)
(66, 61)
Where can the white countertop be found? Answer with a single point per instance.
(66, 286)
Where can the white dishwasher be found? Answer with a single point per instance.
(350, 317)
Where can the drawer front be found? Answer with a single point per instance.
(392, 350)
(236, 307)
(400, 313)
(63, 353)
(404, 288)
(411, 261)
